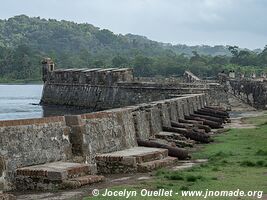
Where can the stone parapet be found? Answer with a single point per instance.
(37, 141)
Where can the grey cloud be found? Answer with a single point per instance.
(234, 22)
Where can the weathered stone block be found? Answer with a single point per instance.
(141, 122)
(109, 131)
(180, 108)
(164, 113)
(185, 106)
(25, 144)
(73, 120)
(190, 104)
(155, 121)
(173, 110)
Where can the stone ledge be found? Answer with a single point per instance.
(96, 115)
(34, 121)
(56, 171)
(73, 120)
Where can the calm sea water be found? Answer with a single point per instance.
(22, 101)
(19, 101)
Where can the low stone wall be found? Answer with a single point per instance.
(30, 142)
(37, 141)
(117, 129)
(108, 131)
(150, 118)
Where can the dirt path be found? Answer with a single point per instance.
(237, 123)
(236, 119)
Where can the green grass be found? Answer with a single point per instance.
(237, 160)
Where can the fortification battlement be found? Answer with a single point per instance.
(95, 76)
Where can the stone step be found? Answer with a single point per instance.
(81, 181)
(156, 164)
(126, 161)
(141, 154)
(55, 170)
(50, 176)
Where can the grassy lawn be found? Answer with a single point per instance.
(237, 160)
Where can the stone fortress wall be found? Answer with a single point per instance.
(37, 141)
(32, 142)
(137, 110)
(112, 88)
(252, 92)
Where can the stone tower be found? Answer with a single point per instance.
(48, 66)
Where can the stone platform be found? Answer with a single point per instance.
(56, 175)
(136, 159)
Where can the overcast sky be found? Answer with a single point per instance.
(191, 22)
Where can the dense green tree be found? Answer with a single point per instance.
(119, 61)
(143, 66)
(25, 40)
(243, 57)
(262, 58)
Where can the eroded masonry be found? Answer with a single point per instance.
(149, 125)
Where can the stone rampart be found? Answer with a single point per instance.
(96, 76)
(124, 94)
(36, 141)
(117, 129)
(100, 89)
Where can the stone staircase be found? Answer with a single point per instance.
(136, 159)
(61, 175)
(56, 175)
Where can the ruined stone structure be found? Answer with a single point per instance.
(37, 141)
(189, 77)
(112, 88)
(47, 68)
(252, 92)
(148, 127)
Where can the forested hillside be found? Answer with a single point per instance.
(24, 41)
